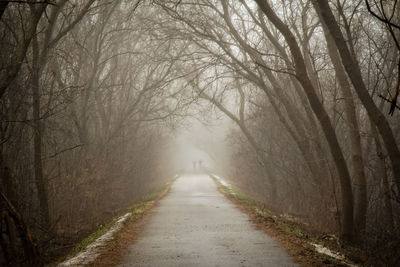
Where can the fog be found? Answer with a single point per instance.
(200, 141)
(294, 103)
(188, 149)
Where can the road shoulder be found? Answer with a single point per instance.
(107, 245)
(297, 241)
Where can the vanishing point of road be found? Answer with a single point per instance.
(195, 225)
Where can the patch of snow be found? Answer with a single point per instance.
(258, 211)
(90, 253)
(222, 181)
(292, 218)
(323, 250)
(288, 217)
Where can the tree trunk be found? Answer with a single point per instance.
(3, 7)
(8, 75)
(382, 172)
(354, 73)
(15, 225)
(358, 174)
(299, 134)
(323, 118)
(40, 180)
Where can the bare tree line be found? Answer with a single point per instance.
(306, 76)
(86, 93)
(87, 88)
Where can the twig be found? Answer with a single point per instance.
(28, 2)
(379, 18)
(389, 100)
(64, 150)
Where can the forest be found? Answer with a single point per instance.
(93, 92)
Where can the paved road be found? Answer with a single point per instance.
(195, 225)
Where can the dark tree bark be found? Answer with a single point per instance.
(40, 179)
(354, 73)
(323, 118)
(3, 6)
(8, 74)
(358, 174)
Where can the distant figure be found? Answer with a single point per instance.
(194, 164)
(200, 162)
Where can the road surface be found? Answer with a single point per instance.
(195, 225)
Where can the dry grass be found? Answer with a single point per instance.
(113, 253)
(291, 235)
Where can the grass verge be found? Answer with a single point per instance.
(113, 252)
(137, 211)
(293, 236)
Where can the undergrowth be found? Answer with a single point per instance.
(289, 227)
(137, 210)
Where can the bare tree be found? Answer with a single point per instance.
(320, 112)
